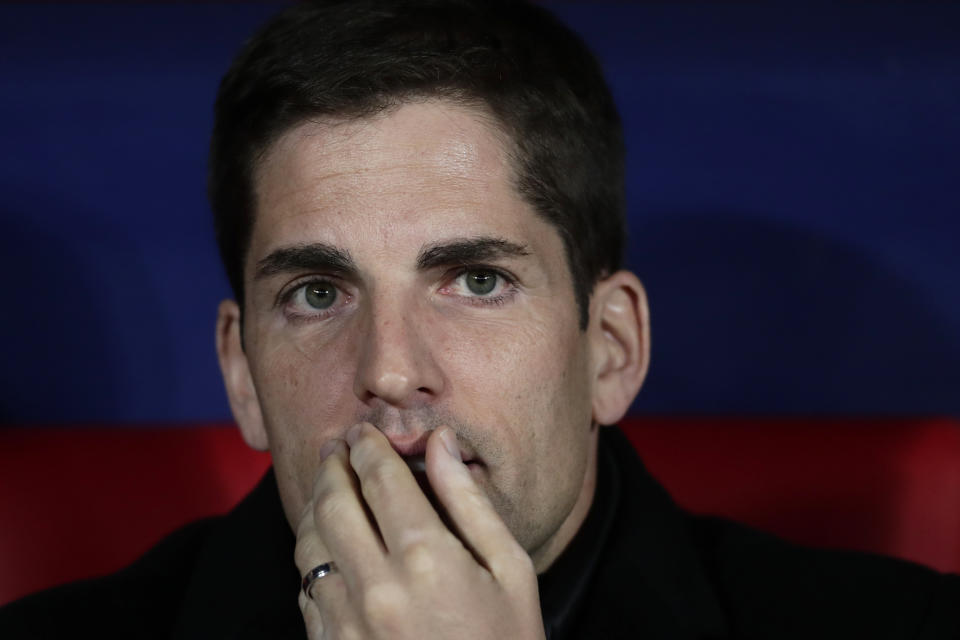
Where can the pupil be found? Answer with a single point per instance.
(320, 295)
(481, 282)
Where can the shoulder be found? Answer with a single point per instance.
(187, 586)
(761, 586)
(139, 601)
(772, 588)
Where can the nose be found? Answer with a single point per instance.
(396, 363)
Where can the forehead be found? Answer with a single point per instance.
(428, 168)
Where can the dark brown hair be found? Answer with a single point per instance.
(355, 58)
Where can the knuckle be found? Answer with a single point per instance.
(348, 631)
(418, 557)
(363, 448)
(385, 604)
(380, 476)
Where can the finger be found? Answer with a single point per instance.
(327, 617)
(312, 619)
(328, 593)
(477, 523)
(402, 512)
(336, 527)
(325, 605)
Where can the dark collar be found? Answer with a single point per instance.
(631, 570)
(564, 584)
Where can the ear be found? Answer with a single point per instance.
(236, 377)
(619, 338)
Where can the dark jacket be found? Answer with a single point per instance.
(656, 572)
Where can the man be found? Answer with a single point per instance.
(420, 210)
(414, 267)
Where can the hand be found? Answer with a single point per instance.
(402, 574)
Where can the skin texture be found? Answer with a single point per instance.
(410, 350)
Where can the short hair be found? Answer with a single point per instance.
(356, 58)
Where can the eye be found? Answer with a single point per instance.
(480, 282)
(481, 285)
(319, 295)
(312, 299)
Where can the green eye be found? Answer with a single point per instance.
(481, 282)
(320, 295)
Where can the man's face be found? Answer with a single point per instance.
(396, 276)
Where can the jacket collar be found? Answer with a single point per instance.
(649, 581)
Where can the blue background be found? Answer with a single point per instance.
(793, 194)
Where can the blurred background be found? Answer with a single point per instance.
(793, 186)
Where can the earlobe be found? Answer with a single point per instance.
(236, 377)
(620, 344)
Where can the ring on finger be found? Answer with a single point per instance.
(317, 573)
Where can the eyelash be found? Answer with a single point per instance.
(509, 282)
(286, 295)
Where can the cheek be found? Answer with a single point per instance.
(304, 377)
(525, 380)
(306, 398)
(307, 393)
(525, 388)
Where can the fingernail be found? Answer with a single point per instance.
(328, 447)
(353, 433)
(449, 440)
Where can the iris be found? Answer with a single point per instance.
(481, 283)
(320, 295)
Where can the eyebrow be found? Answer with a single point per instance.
(316, 256)
(319, 256)
(468, 251)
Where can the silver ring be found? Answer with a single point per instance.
(318, 572)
